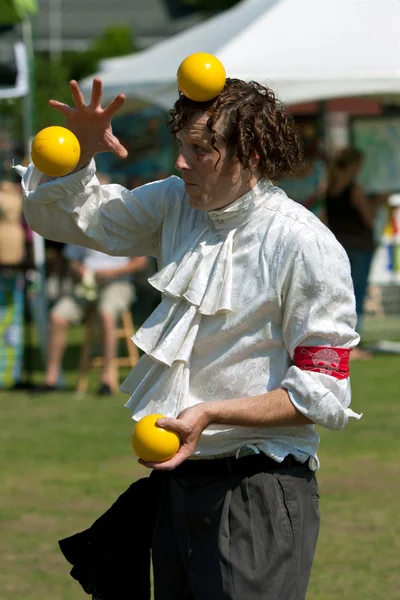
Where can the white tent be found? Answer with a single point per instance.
(303, 49)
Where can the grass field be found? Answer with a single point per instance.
(64, 461)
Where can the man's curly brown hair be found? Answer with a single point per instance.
(253, 124)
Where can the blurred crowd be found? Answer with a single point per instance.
(78, 279)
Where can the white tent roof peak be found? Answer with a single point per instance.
(209, 36)
(302, 49)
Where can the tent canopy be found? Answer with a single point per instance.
(304, 50)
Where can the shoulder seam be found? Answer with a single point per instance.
(292, 218)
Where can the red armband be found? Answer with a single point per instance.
(323, 359)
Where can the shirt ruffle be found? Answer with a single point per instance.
(169, 333)
(155, 388)
(197, 281)
(200, 272)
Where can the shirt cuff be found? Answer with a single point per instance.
(321, 398)
(51, 188)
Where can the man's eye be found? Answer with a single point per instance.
(198, 149)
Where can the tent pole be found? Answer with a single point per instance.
(26, 27)
(40, 302)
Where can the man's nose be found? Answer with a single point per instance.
(181, 163)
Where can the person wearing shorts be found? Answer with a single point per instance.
(101, 280)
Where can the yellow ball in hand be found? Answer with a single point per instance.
(55, 151)
(201, 77)
(152, 443)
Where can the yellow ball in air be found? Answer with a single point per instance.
(201, 77)
(55, 151)
(152, 443)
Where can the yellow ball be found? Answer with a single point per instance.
(201, 77)
(152, 443)
(55, 151)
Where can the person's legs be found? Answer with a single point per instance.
(114, 298)
(56, 348)
(234, 537)
(65, 312)
(360, 263)
(109, 345)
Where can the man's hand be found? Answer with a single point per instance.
(189, 424)
(91, 123)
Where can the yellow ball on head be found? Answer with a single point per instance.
(152, 443)
(201, 77)
(55, 151)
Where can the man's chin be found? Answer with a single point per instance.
(196, 201)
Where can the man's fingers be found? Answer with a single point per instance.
(171, 424)
(114, 106)
(170, 464)
(76, 94)
(120, 151)
(65, 109)
(97, 93)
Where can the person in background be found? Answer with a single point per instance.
(12, 235)
(350, 216)
(308, 186)
(100, 278)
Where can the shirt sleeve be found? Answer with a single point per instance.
(76, 209)
(319, 311)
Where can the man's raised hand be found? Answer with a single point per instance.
(91, 123)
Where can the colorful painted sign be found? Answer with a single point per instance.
(11, 327)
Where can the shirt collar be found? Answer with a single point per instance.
(242, 210)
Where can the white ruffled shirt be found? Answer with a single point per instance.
(241, 287)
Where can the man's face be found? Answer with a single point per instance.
(208, 185)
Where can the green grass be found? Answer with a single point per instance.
(381, 328)
(358, 553)
(64, 461)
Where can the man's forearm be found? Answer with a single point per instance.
(76, 269)
(272, 409)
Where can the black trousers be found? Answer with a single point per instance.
(236, 529)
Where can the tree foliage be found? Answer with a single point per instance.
(117, 40)
(51, 77)
(51, 81)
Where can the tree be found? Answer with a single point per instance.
(51, 82)
(116, 40)
(14, 11)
